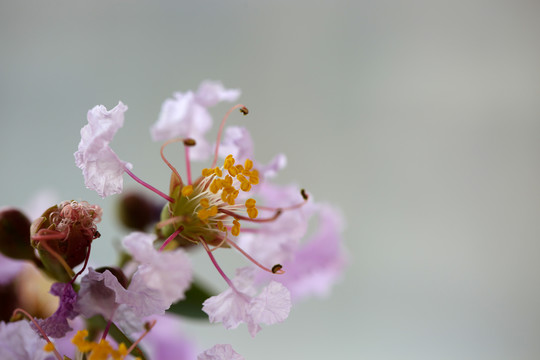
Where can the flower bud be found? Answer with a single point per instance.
(15, 235)
(137, 212)
(65, 230)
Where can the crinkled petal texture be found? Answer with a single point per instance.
(166, 274)
(220, 352)
(238, 305)
(102, 169)
(100, 293)
(19, 342)
(186, 116)
(56, 325)
(161, 279)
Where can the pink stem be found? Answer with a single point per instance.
(213, 259)
(84, 266)
(148, 186)
(108, 327)
(171, 237)
(233, 244)
(221, 132)
(188, 164)
(167, 161)
(142, 336)
(245, 218)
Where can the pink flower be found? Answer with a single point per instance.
(220, 352)
(238, 304)
(187, 116)
(102, 169)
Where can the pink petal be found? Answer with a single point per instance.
(220, 352)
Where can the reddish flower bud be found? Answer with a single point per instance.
(62, 235)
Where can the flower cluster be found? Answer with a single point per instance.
(232, 204)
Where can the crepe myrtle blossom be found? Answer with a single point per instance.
(217, 208)
(220, 352)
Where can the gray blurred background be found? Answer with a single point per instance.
(419, 119)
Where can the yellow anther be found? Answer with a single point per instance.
(250, 203)
(203, 214)
(241, 178)
(229, 162)
(121, 353)
(239, 167)
(254, 180)
(245, 186)
(49, 347)
(248, 164)
(224, 195)
(252, 212)
(236, 228)
(207, 172)
(255, 172)
(204, 203)
(228, 180)
(230, 200)
(218, 172)
(221, 227)
(79, 341)
(216, 185)
(233, 171)
(213, 211)
(187, 190)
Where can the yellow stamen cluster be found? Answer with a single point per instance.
(245, 174)
(206, 210)
(221, 183)
(98, 351)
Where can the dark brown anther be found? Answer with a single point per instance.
(304, 194)
(244, 110)
(276, 268)
(189, 142)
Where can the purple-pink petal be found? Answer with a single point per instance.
(102, 169)
(57, 325)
